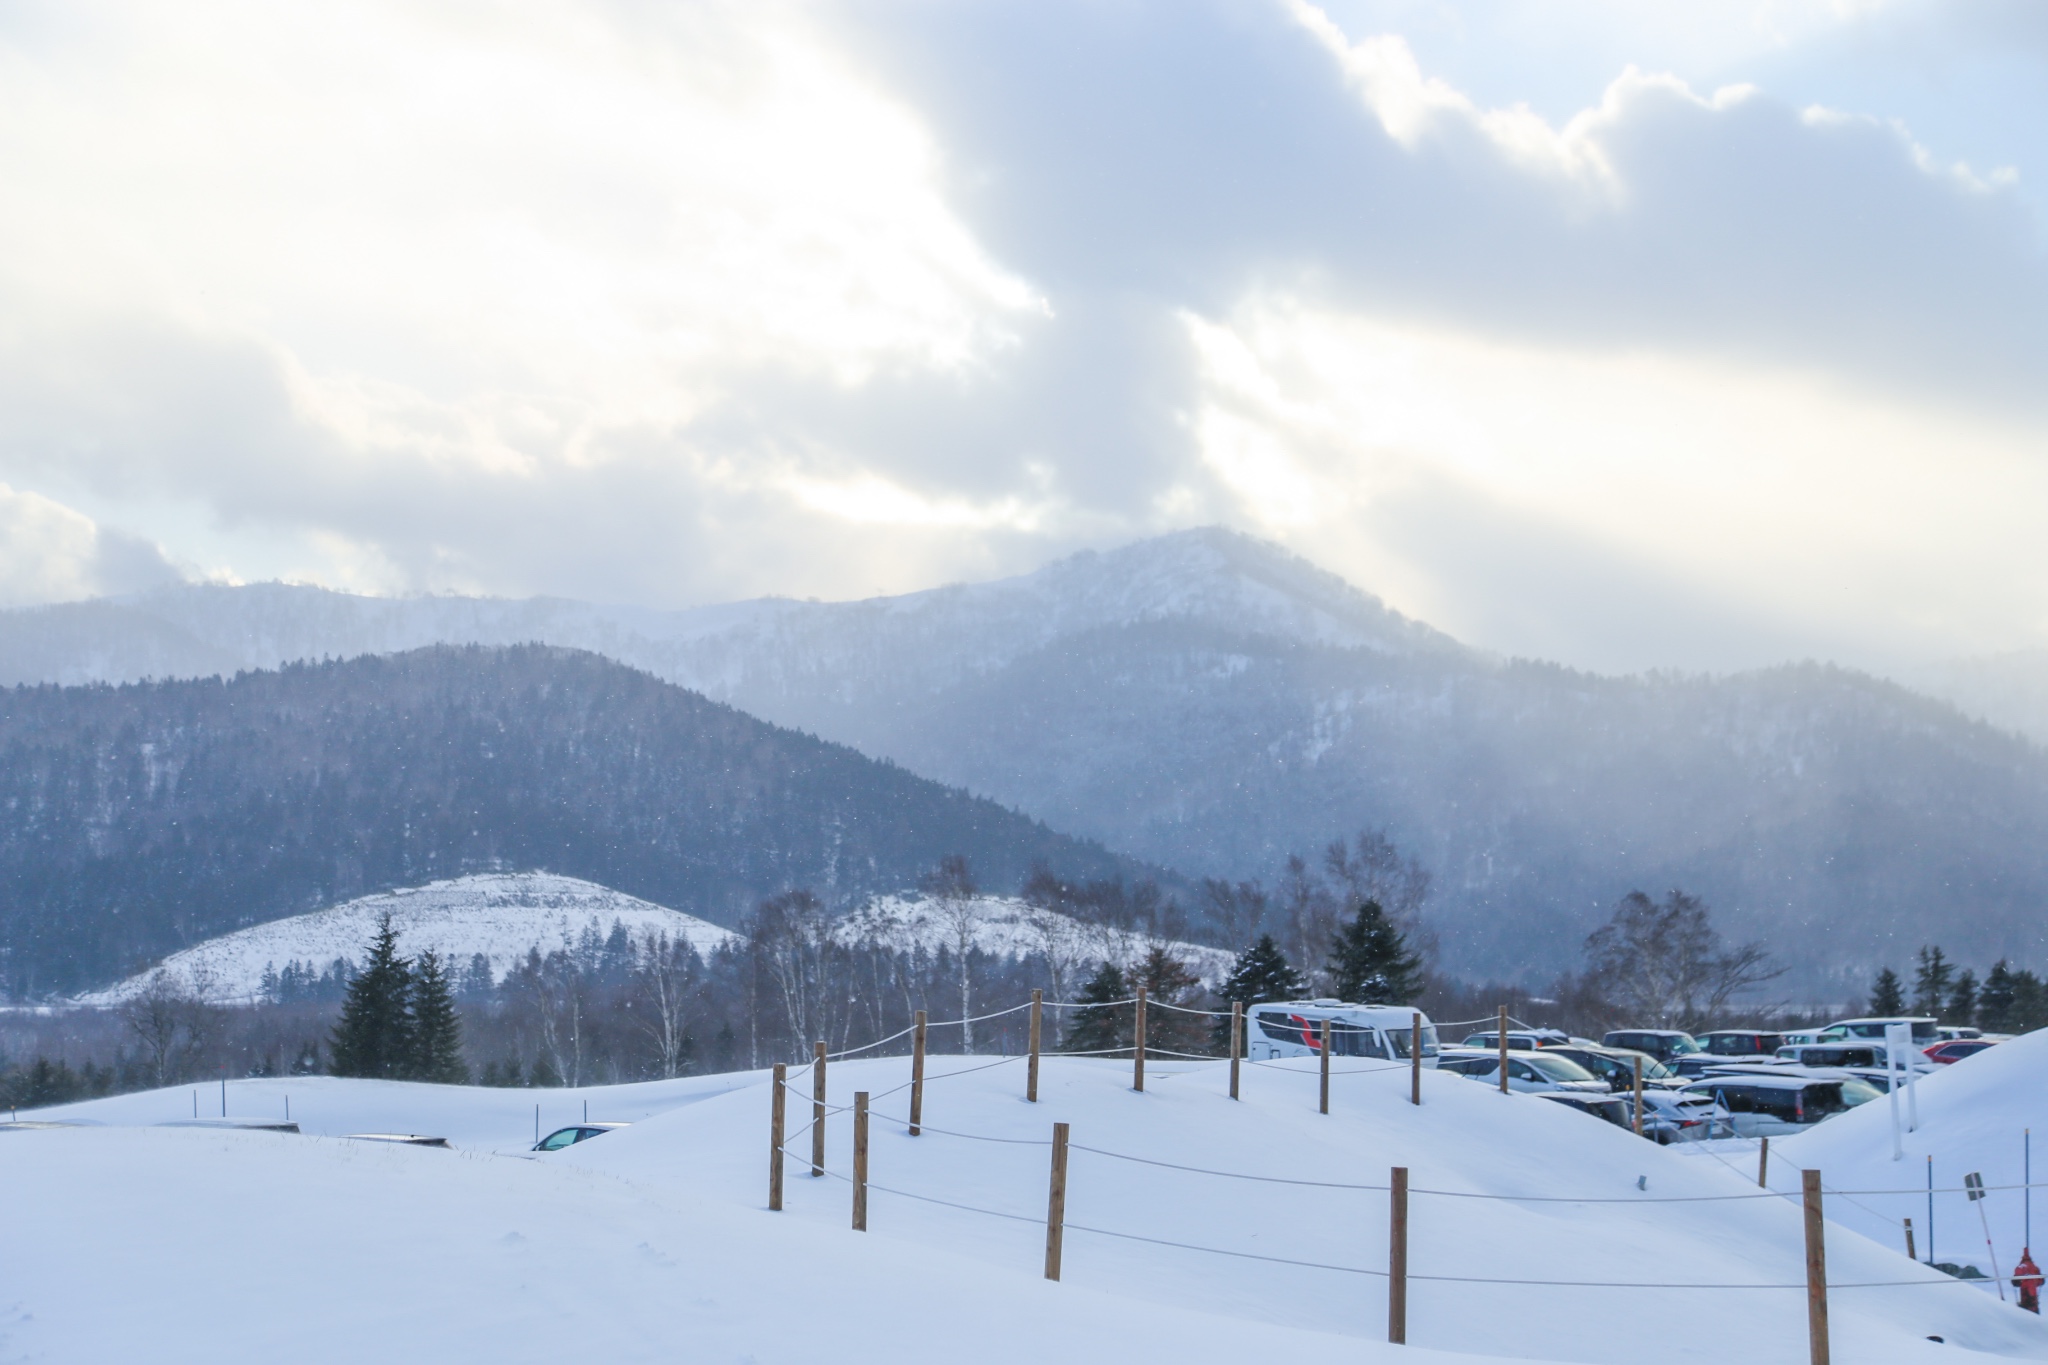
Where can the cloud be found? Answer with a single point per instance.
(49, 553)
(668, 305)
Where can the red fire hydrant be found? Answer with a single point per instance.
(2026, 1277)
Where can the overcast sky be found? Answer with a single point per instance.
(1630, 334)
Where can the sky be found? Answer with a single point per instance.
(1631, 335)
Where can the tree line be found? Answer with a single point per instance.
(2007, 1000)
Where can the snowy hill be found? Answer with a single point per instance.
(653, 1243)
(500, 916)
(1005, 926)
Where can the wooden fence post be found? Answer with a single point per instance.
(1324, 1106)
(860, 1161)
(1031, 1069)
(775, 1122)
(1763, 1164)
(1639, 1094)
(917, 1074)
(1816, 1271)
(1236, 1042)
(1415, 1060)
(1501, 1036)
(1138, 1051)
(1056, 1203)
(818, 1112)
(1397, 1257)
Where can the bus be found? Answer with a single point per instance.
(1293, 1028)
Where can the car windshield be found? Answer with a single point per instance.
(555, 1142)
(1558, 1068)
(1855, 1092)
(1400, 1038)
(1681, 1045)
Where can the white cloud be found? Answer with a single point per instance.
(50, 553)
(677, 303)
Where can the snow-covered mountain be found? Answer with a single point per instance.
(766, 655)
(1211, 703)
(500, 916)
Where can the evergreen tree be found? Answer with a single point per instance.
(1099, 1026)
(1932, 977)
(1887, 995)
(436, 1027)
(1261, 973)
(1995, 1000)
(375, 1036)
(1962, 1002)
(2029, 1002)
(1168, 981)
(1370, 961)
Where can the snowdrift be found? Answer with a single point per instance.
(653, 1242)
(1974, 1116)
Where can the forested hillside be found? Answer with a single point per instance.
(143, 818)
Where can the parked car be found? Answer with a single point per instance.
(1694, 1065)
(1527, 1071)
(1617, 1066)
(1956, 1049)
(1682, 1116)
(1926, 1031)
(1665, 1044)
(1761, 1104)
(1294, 1028)
(1859, 1055)
(1951, 1032)
(1612, 1108)
(1521, 1040)
(1740, 1042)
(581, 1132)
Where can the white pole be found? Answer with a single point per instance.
(1891, 1085)
(1912, 1088)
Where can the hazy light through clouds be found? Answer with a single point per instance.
(1632, 335)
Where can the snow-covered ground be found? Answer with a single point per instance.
(1006, 926)
(179, 1244)
(1974, 1116)
(501, 915)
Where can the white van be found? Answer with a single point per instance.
(1293, 1028)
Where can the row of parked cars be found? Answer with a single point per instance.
(1728, 1083)
(1739, 1082)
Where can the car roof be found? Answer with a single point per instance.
(1765, 1078)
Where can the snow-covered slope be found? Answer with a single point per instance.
(652, 1243)
(1974, 1116)
(500, 915)
(1005, 926)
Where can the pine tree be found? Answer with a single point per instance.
(1099, 1026)
(374, 1036)
(1370, 961)
(1995, 1001)
(436, 1027)
(1887, 995)
(1168, 981)
(1932, 978)
(1962, 1002)
(2029, 1002)
(1261, 973)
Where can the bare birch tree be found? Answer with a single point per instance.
(956, 902)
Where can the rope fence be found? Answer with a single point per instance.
(1397, 1188)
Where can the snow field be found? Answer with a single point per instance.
(655, 1241)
